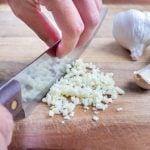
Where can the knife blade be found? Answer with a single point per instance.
(26, 89)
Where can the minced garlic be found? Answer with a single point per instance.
(83, 84)
(95, 118)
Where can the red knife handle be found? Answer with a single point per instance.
(10, 97)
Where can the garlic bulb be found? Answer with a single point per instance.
(142, 77)
(132, 30)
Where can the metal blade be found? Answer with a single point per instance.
(37, 78)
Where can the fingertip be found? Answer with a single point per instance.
(53, 39)
(60, 52)
(63, 49)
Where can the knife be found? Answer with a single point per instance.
(25, 90)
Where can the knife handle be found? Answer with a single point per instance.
(10, 97)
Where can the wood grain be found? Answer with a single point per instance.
(125, 130)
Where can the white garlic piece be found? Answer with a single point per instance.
(142, 77)
(131, 29)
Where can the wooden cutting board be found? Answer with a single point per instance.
(125, 130)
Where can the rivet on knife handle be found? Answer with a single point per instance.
(10, 97)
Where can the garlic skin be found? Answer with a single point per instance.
(131, 29)
(142, 77)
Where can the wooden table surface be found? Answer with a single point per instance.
(125, 130)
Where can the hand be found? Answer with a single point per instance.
(6, 128)
(76, 19)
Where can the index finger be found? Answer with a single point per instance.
(29, 11)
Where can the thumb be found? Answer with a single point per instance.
(3, 145)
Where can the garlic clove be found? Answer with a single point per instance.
(142, 77)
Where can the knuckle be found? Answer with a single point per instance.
(93, 21)
(16, 10)
(25, 8)
(77, 30)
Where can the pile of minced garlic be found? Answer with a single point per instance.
(83, 84)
